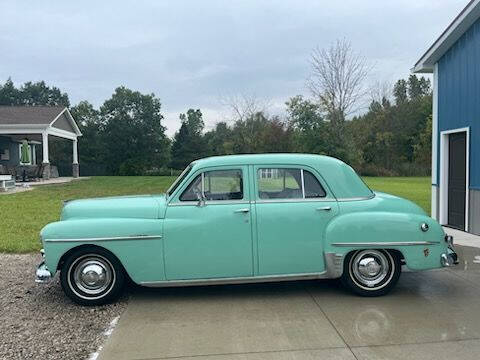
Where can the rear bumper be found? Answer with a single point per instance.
(42, 275)
(450, 257)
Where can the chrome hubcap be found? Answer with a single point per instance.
(370, 267)
(93, 275)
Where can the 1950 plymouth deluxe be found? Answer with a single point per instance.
(240, 219)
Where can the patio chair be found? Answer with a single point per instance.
(21, 173)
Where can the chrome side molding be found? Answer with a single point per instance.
(235, 280)
(115, 238)
(333, 264)
(388, 243)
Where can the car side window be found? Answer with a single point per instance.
(313, 189)
(215, 185)
(275, 183)
(288, 183)
(193, 190)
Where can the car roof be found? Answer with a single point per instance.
(341, 178)
(254, 159)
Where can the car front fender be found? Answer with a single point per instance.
(137, 243)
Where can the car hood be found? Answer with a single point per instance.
(143, 207)
(390, 202)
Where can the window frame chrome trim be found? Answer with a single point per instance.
(202, 177)
(303, 183)
(113, 238)
(210, 202)
(357, 198)
(177, 180)
(299, 200)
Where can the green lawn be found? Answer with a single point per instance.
(22, 215)
(416, 189)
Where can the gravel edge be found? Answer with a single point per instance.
(39, 321)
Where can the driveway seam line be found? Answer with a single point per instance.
(242, 353)
(453, 272)
(415, 343)
(330, 321)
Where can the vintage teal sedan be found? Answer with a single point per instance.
(242, 219)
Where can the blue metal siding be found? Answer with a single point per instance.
(459, 95)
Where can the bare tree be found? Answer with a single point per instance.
(337, 78)
(380, 91)
(243, 106)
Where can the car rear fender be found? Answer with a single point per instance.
(388, 230)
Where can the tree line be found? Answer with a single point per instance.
(125, 135)
(393, 137)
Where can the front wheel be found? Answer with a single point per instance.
(92, 276)
(371, 272)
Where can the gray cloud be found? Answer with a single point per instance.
(191, 52)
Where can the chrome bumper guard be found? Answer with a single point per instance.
(449, 258)
(42, 274)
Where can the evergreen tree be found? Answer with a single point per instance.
(9, 95)
(400, 92)
(188, 143)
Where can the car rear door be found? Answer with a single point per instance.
(293, 206)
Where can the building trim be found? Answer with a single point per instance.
(434, 207)
(61, 133)
(450, 35)
(435, 127)
(70, 119)
(22, 129)
(36, 129)
(444, 154)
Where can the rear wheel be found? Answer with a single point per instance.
(371, 272)
(92, 276)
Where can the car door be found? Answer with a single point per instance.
(293, 207)
(210, 238)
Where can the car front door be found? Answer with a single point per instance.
(293, 207)
(210, 238)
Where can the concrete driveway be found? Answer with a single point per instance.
(430, 315)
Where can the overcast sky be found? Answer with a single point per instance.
(194, 53)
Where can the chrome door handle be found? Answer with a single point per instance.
(324, 208)
(244, 210)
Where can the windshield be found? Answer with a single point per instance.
(179, 180)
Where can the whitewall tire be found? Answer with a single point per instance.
(92, 276)
(371, 272)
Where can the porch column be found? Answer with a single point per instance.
(34, 155)
(75, 166)
(46, 162)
